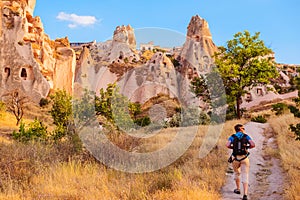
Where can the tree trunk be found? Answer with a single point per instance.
(18, 122)
(238, 103)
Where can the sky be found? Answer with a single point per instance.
(165, 21)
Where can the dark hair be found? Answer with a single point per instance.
(238, 127)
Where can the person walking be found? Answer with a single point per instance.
(240, 142)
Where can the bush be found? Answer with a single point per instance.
(174, 121)
(61, 113)
(144, 121)
(204, 119)
(44, 102)
(37, 131)
(259, 119)
(279, 108)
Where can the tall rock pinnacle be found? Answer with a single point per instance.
(198, 48)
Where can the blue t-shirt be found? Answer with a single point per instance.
(239, 135)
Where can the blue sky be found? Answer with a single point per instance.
(165, 22)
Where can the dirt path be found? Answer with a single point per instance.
(266, 177)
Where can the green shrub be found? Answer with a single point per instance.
(44, 102)
(279, 108)
(61, 113)
(144, 121)
(204, 119)
(296, 130)
(259, 119)
(174, 121)
(37, 131)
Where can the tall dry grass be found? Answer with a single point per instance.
(289, 151)
(35, 171)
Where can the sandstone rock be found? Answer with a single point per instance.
(18, 68)
(103, 63)
(198, 49)
(29, 59)
(100, 62)
(31, 6)
(123, 45)
(158, 76)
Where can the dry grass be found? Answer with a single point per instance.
(34, 171)
(289, 151)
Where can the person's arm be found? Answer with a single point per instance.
(228, 144)
(252, 144)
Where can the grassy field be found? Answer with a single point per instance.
(36, 171)
(289, 152)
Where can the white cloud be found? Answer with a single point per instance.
(76, 20)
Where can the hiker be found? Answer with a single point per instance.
(240, 142)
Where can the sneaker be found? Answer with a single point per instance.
(245, 197)
(237, 191)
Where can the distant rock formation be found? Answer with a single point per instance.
(29, 60)
(198, 49)
(105, 62)
(146, 81)
(117, 61)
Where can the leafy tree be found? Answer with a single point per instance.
(134, 109)
(243, 63)
(199, 88)
(103, 102)
(209, 88)
(61, 113)
(84, 108)
(118, 109)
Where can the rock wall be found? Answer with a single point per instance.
(18, 68)
(29, 60)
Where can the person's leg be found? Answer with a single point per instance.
(237, 172)
(245, 165)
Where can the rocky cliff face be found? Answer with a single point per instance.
(198, 48)
(29, 60)
(118, 61)
(106, 62)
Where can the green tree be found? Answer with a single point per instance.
(103, 102)
(199, 88)
(84, 108)
(61, 113)
(117, 108)
(134, 109)
(243, 63)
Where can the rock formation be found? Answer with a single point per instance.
(118, 61)
(146, 81)
(105, 62)
(29, 60)
(198, 48)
